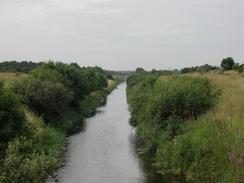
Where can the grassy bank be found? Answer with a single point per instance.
(34, 153)
(207, 147)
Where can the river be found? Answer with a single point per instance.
(105, 150)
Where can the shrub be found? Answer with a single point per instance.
(22, 164)
(46, 98)
(139, 89)
(12, 119)
(185, 97)
(159, 109)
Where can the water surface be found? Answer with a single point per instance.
(105, 149)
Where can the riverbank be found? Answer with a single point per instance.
(51, 103)
(33, 166)
(205, 148)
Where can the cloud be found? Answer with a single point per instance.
(121, 34)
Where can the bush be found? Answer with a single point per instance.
(46, 98)
(159, 109)
(138, 89)
(12, 119)
(184, 97)
(22, 164)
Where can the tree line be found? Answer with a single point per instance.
(226, 64)
(14, 66)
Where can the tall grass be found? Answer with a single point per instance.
(211, 148)
(206, 148)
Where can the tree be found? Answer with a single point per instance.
(140, 70)
(227, 63)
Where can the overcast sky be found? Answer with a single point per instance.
(123, 34)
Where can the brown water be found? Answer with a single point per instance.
(105, 149)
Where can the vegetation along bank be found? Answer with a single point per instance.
(40, 104)
(191, 124)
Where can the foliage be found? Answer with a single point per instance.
(180, 130)
(227, 63)
(12, 119)
(53, 87)
(23, 164)
(240, 68)
(46, 98)
(142, 85)
(13, 66)
(140, 70)
(184, 96)
(55, 98)
(109, 76)
(170, 102)
(203, 68)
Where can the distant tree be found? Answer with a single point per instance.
(228, 63)
(75, 65)
(13, 66)
(154, 71)
(202, 68)
(109, 76)
(140, 70)
(240, 68)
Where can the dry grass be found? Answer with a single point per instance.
(223, 130)
(110, 83)
(10, 76)
(34, 122)
(231, 103)
(230, 110)
(163, 77)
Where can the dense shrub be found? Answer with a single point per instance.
(22, 164)
(168, 103)
(61, 95)
(81, 81)
(53, 87)
(46, 98)
(12, 119)
(139, 88)
(185, 97)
